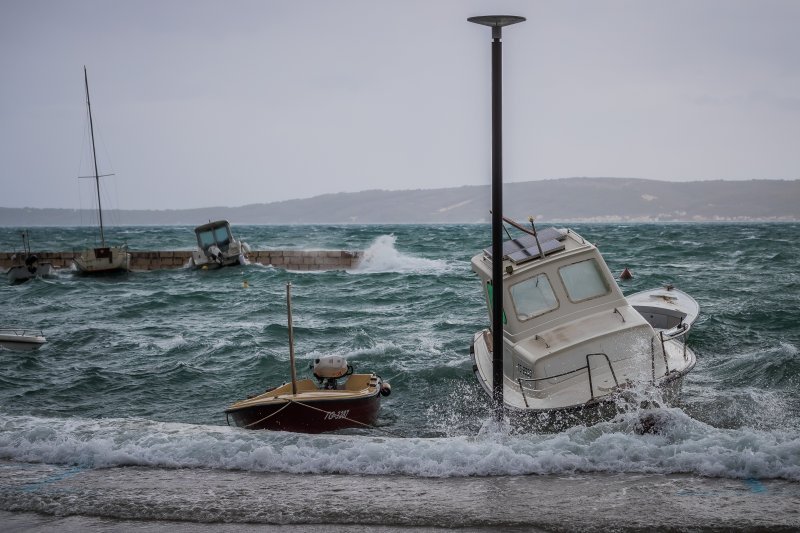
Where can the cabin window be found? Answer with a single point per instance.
(221, 235)
(206, 238)
(533, 297)
(583, 280)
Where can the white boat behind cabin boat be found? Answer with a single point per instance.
(21, 339)
(571, 339)
(667, 309)
(217, 247)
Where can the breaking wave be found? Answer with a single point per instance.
(679, 444)
(382, 256)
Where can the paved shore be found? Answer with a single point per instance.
(62, 498)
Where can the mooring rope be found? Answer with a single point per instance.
(268, 416)
(346, 418)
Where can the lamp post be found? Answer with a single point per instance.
(496, 22)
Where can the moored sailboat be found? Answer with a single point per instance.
(103, 259)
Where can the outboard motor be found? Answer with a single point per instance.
(215, 253)
(32, 262)
(329, 368)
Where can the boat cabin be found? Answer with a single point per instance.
(563, 311)
(558, 280)
(217, 233)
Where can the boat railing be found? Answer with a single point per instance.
(587, 368)
(678, 332)
(20, 331)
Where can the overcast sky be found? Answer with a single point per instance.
(205, 103)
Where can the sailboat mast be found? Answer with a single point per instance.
(94, 157)
(291, 335)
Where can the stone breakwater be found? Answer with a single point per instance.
(157, 260)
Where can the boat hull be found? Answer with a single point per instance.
(200, 261)
(21, 273)
(309, 416)
(590, 413)
(20, 340)
(526, 412)
(311, 409)
(99, 261)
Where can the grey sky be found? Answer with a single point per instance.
(201, 103)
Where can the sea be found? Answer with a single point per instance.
(118, 421)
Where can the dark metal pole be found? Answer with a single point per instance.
(291, 335)
(497, 23)
(497, 223)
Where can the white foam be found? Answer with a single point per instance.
(682, 445)
(382, 256)
(788, 348)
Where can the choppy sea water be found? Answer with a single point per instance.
(138, 370)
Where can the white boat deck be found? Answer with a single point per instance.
(663, 305)
(17, 338)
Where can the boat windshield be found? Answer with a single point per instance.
(583, 280)
(222, 236)
(533, 297)
(206, 238)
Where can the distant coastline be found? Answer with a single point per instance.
(620, 200)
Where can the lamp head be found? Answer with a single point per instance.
(496, 22)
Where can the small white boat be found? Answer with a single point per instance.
(217, 247)
(571, 340)
(103, 259)
(21, 339)
(29, 266)
(666, 309)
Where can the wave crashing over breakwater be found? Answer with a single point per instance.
(382, 256)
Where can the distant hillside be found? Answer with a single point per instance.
(570, 199)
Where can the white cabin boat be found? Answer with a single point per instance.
(217, 247)
(21, 339)
(570, 338)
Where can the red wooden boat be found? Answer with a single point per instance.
(306, 406)
(313, 408)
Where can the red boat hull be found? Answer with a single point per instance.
(312, 416)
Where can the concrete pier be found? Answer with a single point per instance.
(158, 260)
